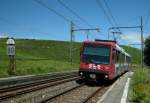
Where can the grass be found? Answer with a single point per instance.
(140, 86)
(26, 67)
(39, 56)
(3, 68)
(42, 66)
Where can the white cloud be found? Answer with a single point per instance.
(133, 37)
(3, 36)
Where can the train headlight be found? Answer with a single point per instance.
(81, 74)
(106, 76)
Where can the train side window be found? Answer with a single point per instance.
(117, 56)
(114, 56)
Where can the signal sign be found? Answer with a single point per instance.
(10, 50)
(10, 46)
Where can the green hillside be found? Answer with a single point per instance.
(134, 52)
(42, 56)
(39, 56)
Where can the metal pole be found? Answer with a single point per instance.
(108, 34)
(141, 42)
(72, 38)
(12, 65)
(87, 35)
(71, 41)
(114, 35)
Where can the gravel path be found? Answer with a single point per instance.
(75, 96)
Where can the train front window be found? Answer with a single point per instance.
(94, 53)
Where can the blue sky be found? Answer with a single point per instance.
(28, 19)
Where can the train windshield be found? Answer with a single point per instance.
(94, 53)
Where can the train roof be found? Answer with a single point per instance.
(122, 50)
(108, 42)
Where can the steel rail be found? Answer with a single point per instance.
(57, 95)
(30, 88)
(34, 83)
(92, 95)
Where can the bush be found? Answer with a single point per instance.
(140, 86)
(147, 51)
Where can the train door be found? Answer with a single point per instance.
(119, 63)
(114, 62)
(125, 64)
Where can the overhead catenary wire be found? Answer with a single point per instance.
(147, 18)
(7, 21)
(14, 24)
(52, 10)
(101, 6)
(105, 12)
(74, 13)
(112, 17)
(109, 10)
(62, 16)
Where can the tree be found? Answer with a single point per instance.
(147, 51)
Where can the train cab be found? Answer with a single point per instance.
(98, 59)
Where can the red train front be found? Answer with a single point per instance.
(102, 59)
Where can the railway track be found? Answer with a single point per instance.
(56, 96)
(92, 94)
(78, 94)
(13, 91)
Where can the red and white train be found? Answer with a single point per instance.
(103, 59)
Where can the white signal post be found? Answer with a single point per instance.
(11, 54)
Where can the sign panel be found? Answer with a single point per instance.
(10, 42)
(10, 50)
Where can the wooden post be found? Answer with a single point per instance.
(12, 65)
